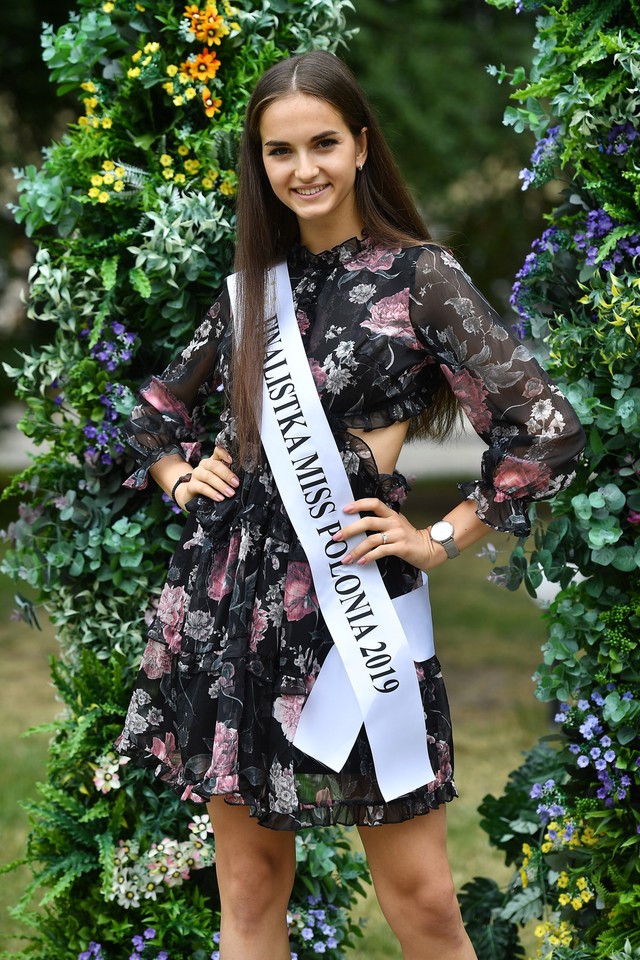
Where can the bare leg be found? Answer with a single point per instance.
(412, 880)
(255, 869)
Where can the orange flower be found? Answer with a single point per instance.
(211, 104)
(211, 29)
(204, 67)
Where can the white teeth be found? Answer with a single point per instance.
(310, 191)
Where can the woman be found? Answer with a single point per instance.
(394, 332)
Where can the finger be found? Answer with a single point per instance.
(369, 505)
(217, 474)
(371, 548)
(363, 525)
(220, 453)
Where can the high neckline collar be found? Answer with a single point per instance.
(341, 253)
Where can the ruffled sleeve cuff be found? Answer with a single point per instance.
(508, 515)
(139, 479)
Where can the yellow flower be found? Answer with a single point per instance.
(524, 879)
(89, 86)
(541, 930)
(552, 826)
(90, 103)
(581, 883)
(166, 160)
(96, 180)
(183, 150)
(83, 121)
(207, 183)
(147, 61)
(178, 101)
(118, 186)
(576, 903)
(167, 173)
(168, 86)
(554, 941)
(172, 70)
(136, 56)
(179, 178)
(212, 173)
(107, 123)
(103, 197)
(108, 165)
(563, 880)
(94, 121)
(235, 25)
(545, 847)
(184, 78)
(140, 7)
(94, 192)
(119, 172)
(108, 7)
(152, 47)
(109, 178)
(526, 849)
(211, 104)
(133, 72)
(564, 899)
(190, 93)
(586, 895)
(192, 166)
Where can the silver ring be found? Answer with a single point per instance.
(384, 538)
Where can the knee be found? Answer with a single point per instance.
(430, 910)
(253, 889)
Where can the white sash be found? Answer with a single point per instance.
(369, 675)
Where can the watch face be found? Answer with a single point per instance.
(442, 530)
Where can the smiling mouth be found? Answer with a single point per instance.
(310, 191)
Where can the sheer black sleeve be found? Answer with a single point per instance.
(165, 419)
(533, 435)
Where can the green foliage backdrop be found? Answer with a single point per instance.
(570, 816)
(132, 215)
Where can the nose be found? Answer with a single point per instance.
(306, 167)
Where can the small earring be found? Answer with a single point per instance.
(360, 166)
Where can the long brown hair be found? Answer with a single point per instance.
(266, 228)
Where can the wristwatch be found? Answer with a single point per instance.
(442, 532)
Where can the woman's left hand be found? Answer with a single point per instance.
(389, 534)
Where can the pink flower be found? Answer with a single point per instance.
(517, 478)
(171, 608)
(299, 595)
(156, 660)
(471, 394)
(225, 751)
(633, 517)
(317, 372)
(324, 798)
(533, 388)
(287, 710)
(259, 624)
(390, 317)
(303, 321)
(445, 771)
(157, 394)
(374, 258)
(221, 576)
(165, 750)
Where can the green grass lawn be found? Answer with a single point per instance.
(487, 639)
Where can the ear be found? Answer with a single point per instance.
(361, 147)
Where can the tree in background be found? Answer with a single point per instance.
(132, 217)
(570, 816)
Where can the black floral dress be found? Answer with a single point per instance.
(238, 638)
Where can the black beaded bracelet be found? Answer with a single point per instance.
(183, 479)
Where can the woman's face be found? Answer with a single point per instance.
(311, 158)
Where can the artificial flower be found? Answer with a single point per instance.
(211, 104)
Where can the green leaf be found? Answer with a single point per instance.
(109, 272)
(140, 282)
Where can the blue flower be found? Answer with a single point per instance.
(583, 761)
(536, 791)
(610, 756)
(306, 933)
(320, 947)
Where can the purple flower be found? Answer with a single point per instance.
(583, 761)
(549, 784)
(610, 756)
(594, 752)
(625, 781)
(605, 741)
(583, 705)
(536, 791)
(556, 810)
(627, 695)
(320, 947)
(574, 748)
(306, 933)
(601, 764)
(118, 328)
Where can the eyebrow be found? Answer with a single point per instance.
(316, 136)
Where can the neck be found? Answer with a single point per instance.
(320, 237)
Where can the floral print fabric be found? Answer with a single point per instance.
(238, 638)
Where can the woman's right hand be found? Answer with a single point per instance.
(212, 478)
